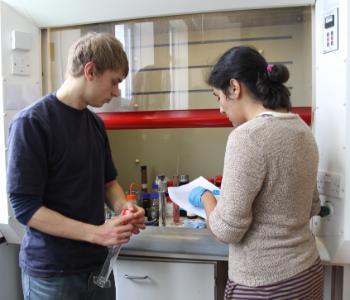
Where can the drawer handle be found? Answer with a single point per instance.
(131, 277)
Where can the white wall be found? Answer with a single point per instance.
(331, 129)
(332, 132)
(17, 91)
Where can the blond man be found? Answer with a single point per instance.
(61, 173)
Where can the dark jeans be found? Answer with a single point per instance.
(68, 287)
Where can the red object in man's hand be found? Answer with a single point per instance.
(124, 212)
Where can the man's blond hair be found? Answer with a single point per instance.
(102, 49)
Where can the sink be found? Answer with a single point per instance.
(176, 241)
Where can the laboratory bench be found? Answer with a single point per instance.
(172, 263)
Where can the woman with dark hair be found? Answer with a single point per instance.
(268, 191)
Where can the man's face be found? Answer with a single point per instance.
(103, 87)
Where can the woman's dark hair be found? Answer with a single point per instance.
(264, 81)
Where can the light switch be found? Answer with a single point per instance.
(328, 184)
(20, 64)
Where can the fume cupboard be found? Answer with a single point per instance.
(170, 56)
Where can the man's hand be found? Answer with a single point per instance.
(117, 230)
(139, 217)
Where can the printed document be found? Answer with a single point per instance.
(180, 194)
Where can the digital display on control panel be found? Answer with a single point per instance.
(329, 21)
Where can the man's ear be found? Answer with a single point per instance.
(235, 88)
(89, 70)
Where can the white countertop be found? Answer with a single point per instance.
(175, 242)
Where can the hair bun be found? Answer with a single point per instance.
(263, 81)
(277, 73)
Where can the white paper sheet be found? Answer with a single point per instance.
(180, 195)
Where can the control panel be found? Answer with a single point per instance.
(330, 31)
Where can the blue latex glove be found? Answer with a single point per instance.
(195, 196)
(216, 192)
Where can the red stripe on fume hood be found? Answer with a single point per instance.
(194, 118)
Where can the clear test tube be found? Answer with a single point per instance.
(161, 181)
(102, 279)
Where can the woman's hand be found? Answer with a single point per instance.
(195, 196)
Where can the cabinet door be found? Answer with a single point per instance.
(159, 280)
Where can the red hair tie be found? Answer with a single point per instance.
(269, 68)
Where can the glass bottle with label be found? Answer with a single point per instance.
(144, 187)
(153, 212)
(134, 193)
(145, 199)
(169, 202)
(176, 208)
